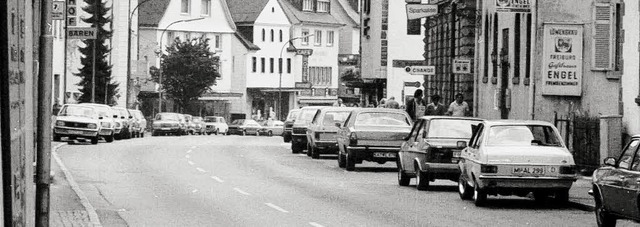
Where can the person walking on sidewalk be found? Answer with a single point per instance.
(435, 107)
(392, 103)
(416, 107)
(458, 108)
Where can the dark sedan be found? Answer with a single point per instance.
(244, 127)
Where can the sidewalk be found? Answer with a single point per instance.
(66, 208)
(579, 195)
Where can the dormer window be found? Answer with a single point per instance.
(323, 6)
(185, 6)
(307, 5)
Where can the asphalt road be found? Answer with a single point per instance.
(256, 181)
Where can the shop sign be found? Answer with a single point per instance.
(562, 60)
(513, 6)
(416, 11)
(303, 85)
(421, 70)
(81, 33)
(462, 66)
(58, 10)
(305, 92)
(412, 84)
(304, 52)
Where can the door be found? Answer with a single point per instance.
(632, 188)
(615, 182)
(408, 154)
(504, 77)
(470, 154)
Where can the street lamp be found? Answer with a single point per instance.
(160, 54)
(282, 67)
(128, 92)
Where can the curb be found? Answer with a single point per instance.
(581, 206)
(91, 211)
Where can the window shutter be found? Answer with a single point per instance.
(603, 37)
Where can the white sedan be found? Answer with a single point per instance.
(516, 158)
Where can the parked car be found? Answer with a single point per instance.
(372, 134)
(183, 124)
(288, 124)
(616, 184)
(244, 127)
(299, 128)
(77, 121)
(216, 125)
(431, 150)
(139, 123)
(272, 127)
(191, 127)
(107, 130)
(510, 157)
(322, 131)
(199, 126)
(166, 123)
(125, 118)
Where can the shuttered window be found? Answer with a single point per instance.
(603, 36)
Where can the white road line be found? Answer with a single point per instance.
(277, 208)
(217, 179)
(201, 170)
(315, 224)
(194, 191)
(191, 163)
(241, 192)
(192, 147)
(189, 151)
(187, 156)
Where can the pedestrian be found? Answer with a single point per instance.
(383, 103)
(339, 103)
(416, 107)
(392, 103)
(435, 107)
(458, 108)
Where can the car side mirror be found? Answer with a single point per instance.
(130, 117)
(115, 116)
(338, 124)
(100, 118)
(461, 144)
(610, 161)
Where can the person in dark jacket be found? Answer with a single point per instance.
(416, 107)
(435, 108)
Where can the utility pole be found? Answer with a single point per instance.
(43, 136)
(93, 71)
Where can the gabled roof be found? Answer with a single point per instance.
(150, 13)
(301, 17)
(351, 12)
(246, 11)
(248, 44)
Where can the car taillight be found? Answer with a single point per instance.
(567, 169)
(60, 123)
(92, 126)
(353, 139)
(488, 169)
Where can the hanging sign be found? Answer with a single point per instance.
(57, 10)
(562, 60)
(513, 6)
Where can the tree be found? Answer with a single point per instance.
(105, 89)
(188, 70)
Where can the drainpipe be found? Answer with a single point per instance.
(532, 84)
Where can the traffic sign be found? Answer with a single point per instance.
(57, 10)
(412, 84)
(461, 66)
(421, 70)
(415, 11)
(72, 13)
(81, 33)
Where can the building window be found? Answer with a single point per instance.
(329, 38)
(280, 65)
(218, 41)
(254, 64)
(262, 64)
(271, 35)
(185, 7)
(263, 35)
(205, 9)
(288, 65)
(305, 40)
(323, 6)
(280, 35)
(307, 5)
(413, 27)
(608, 37)
(318, 37)
(320, 76)
(271, 65)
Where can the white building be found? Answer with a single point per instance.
(630, 79)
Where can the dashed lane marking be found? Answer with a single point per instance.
(217, 179)
(187, 156)
(193, 147)
(241, 192)
(276, 207)
(201, 170)
(189, 151)
(315, 224)
(191, 163)
(194, 191)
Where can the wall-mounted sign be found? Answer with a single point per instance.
(72, 13)
(304, 52)
(412, 84)
(513, 6)
(562, 60)
(303, 85)
(57, 10)
(415, 11)
(421, 70)
(462, 66)
(81, 33)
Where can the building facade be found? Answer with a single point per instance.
(630, 79)
(348, 13)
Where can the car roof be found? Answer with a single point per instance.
(516, 122)
(93, 104)
(313, 107)
(362, 110)
(328, 109)
(450, 117)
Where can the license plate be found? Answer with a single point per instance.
(384, 155)
(456, 154)
(164, 129)
(74, 132)
(528, 170)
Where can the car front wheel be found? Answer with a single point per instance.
(422, 179)
(109, 138)
(342, 160)
(94, 140)
(351, 161)
(56, 137)
(403, 179)
(479, 196)
(603, 217)
(465, 191)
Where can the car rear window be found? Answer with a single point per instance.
(382, 118)
(167, 117)
(211, 119)
(306, 115)
(450, 128)
(292, 115)
(333, 117)
(523, 135)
